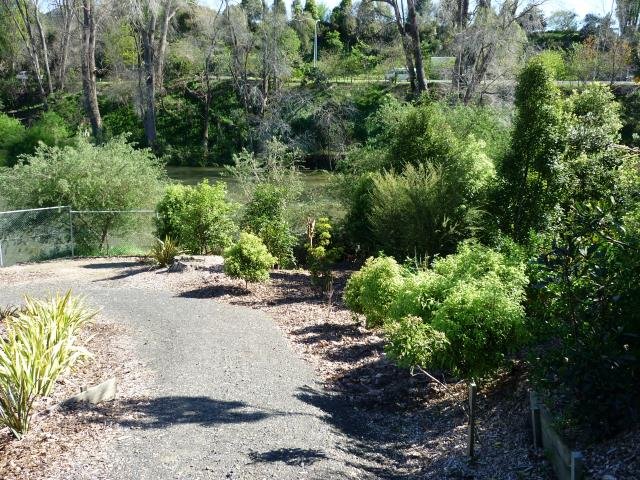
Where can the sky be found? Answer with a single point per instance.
(581, 7)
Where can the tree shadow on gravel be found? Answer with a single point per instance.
(326, 331)
(164, 412)
(215, 291)
(290, 456)
(112, 265)
(384, 435)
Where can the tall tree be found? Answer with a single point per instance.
(311, 8)
(168, 9)
(88, 66)
(488, 36)
(345, 21)
(530, 171)
(628, 13)
(43, 45)
(409, 31)
(21, 13)
(563, 21)
(66, 12)
(150, 20)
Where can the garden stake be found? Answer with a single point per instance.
(472, 419)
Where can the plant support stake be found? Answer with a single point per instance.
(472, 419)
(71, 239)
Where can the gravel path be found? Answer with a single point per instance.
(229, 398)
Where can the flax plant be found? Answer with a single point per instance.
(40, 345)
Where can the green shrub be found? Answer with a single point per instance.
(164, 252)
(124, 121)
(12, 134)
(320, 254)
(421, 185)
(411, 342)
(584, 307)
(39, 346)
(50, 129)
(248, 259)
(530, 173)
(199, 218)
(554, 60)
(111, 176)
(474, 299)
(372, 289)
(264, 216)
(424, 210)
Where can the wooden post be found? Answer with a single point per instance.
(535, 419)
(472, 419)
(577, 466)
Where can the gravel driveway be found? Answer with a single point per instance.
(229, 399)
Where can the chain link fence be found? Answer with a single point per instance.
(57, 232)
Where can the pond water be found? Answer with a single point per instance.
(319, 197)
(313, 179)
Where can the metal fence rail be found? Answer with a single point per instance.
(57, 232)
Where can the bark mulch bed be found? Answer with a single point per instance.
(63, 441)
(402, 424)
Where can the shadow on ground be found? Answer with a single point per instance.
(290, 456)
(385, 441)
(111, 265)
(164, 412)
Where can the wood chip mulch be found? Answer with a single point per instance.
(63, 441)
(404, 425)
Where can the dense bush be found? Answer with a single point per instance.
(592, 131)
(39, 346)
(16, 140)
(265, 216)
(372, 289)
(419, 187)
(530, 172)
(111, 176)
(248, 259)
(422, 212)
(199, 218)
(471, 303)
(12, 134)
(584, 306)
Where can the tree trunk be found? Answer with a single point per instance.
(406, 43)
(66, 35)
(167, 14)
(24, 22)
(460, 23)
(89, 87)
(414, 33)
(45, 49)
(206, 119)
(148, 64)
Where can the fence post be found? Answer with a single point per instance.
(472, 419)
(71, 233)
(1, 257)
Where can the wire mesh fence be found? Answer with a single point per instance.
(57, 232)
